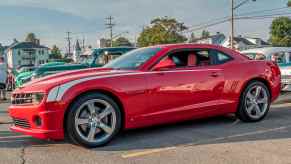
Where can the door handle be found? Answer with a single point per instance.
(214, 74)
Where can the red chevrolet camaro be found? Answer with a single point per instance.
(145, 87)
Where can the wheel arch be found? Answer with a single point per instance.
(260, 79)
(101, 91)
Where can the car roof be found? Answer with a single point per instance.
(267, 50)
(180, 45)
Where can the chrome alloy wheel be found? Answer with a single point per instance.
(95, 120)
(256, 102)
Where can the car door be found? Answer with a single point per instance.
(181, 92)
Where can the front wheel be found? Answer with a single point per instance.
(93, 120)
(254, 102)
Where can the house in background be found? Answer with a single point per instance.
(26, 53)
(245, 43)
(216, 39)
(86, 55)
(258, 42)
(3, 53)
(102, 43)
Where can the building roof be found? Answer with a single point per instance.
(24, 45)
(264, 43)
(216, 39)
(243, 40)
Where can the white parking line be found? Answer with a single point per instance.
(281, 105)
(153, 151)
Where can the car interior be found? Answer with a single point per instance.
(188, 59)
(194, 58)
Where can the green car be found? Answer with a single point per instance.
(25, 76)
(98, 58)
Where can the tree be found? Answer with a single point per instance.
(281, 32)
(162, 31)
(205, 34)
(289, 3)
(121, 41)
(30, 38)
(55, 53)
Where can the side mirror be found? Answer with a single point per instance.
(164, 65)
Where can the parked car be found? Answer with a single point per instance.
(25, 68)
(24, 77)
(280, 55)
(145, 87)
(98, 58)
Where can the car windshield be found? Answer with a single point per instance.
(133, 59)
(87, 60)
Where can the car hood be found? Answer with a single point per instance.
(46, 83)
(23, 75)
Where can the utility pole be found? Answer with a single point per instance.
(233, 8)
(232, 25)
(83, 43)
(110, 25)
(69, 41)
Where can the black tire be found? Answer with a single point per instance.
(71, 131)
(242, 113)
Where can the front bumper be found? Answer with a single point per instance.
(24, 118)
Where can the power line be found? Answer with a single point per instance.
(266, 15)
(237, 18)
(262, 11)
(225, 18)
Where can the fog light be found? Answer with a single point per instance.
(37, 121)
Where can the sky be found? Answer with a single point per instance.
(50, 19)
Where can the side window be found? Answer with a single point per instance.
(193, 58)
(220, 57)
(187, 58)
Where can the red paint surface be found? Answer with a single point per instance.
(152, 97)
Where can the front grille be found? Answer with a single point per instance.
(23, 123)
(21, 98)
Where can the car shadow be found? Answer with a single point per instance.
(224, 129)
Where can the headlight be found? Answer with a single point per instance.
(27, 98)
(37, 98)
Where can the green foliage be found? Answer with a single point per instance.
(30, 37)
(281, 32)
(162, 31)
(121, 41)
(289, 3)
(205, 34)
(55, 53)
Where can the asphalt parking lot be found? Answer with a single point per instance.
(212, 140)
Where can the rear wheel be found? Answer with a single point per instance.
(93, 120)
(254, 102)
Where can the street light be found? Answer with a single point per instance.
(233, 8)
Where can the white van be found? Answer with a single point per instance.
(280, 55)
